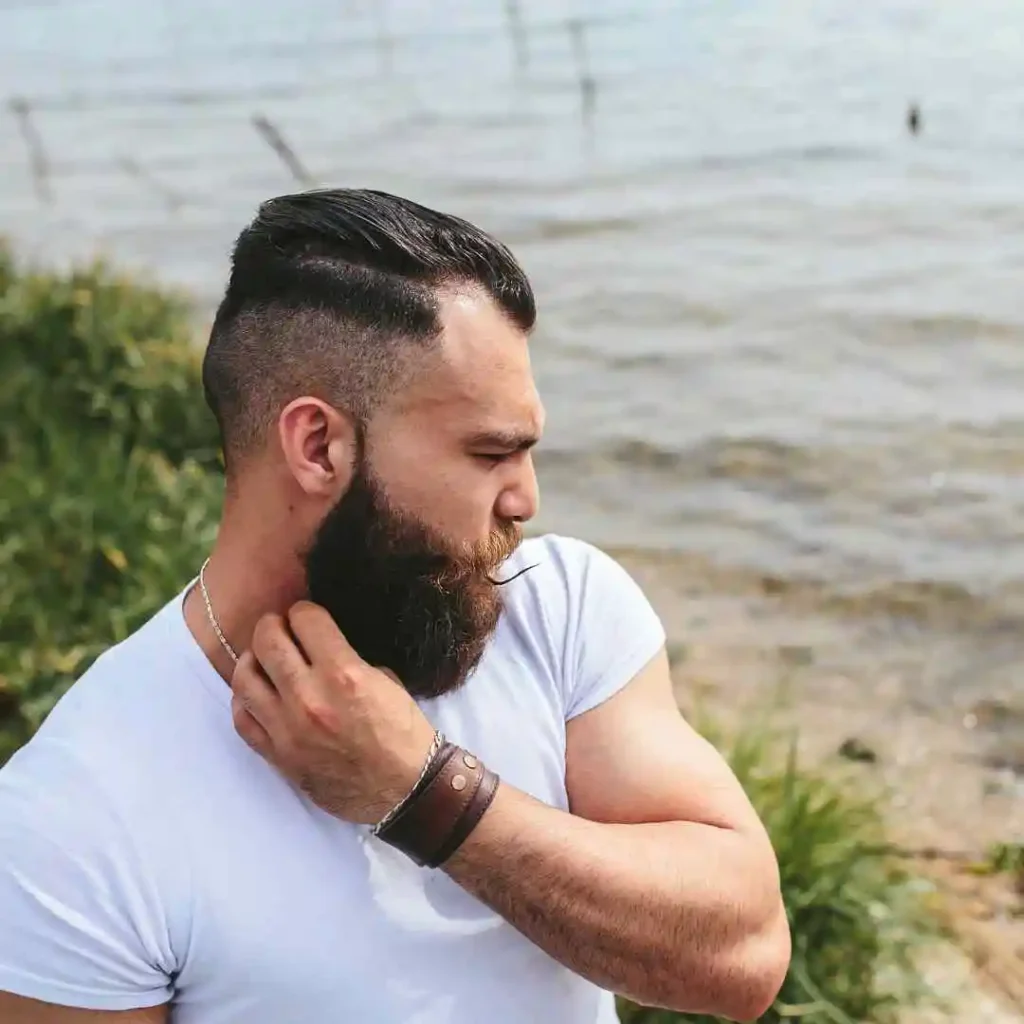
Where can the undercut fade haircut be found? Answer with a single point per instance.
(331, 294)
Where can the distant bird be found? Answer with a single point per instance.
(914, 119)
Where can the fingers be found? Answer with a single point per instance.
(277, 653)
(249, 729)
(318, 634)
(254, 696)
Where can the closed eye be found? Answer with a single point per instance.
(494, 458)
(503, 445)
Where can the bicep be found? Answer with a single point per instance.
(635, 759)
(18, 1010)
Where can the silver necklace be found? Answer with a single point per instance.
(213, 618)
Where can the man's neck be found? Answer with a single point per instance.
(244, 583)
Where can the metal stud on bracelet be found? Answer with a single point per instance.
(483, 796)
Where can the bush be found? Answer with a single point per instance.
(93, 355)
(855, 915)
(109, 474)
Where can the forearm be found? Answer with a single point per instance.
(673, 914)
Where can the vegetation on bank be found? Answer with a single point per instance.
(109, 482)
(110, 485)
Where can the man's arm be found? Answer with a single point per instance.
(17, 1010)
(661, 884)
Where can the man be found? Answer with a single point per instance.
(381, 761)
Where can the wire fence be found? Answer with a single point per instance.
(151, 139)
(572, 62)
(386, 45)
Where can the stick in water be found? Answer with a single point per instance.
(131, 167)
(588, 84)
(517, 30)
(276, 141)
(36, 153)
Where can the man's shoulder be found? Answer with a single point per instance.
(112, 714)
(120, 675)
(587, 611)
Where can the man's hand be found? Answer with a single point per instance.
(348, 734)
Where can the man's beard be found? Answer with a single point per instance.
(404, 599)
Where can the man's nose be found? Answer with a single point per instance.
(520, 500)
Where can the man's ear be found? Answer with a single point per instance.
(320, 445)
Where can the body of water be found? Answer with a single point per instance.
(777, 330)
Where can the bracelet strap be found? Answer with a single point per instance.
(431, 767)
(430, 827)
(481, 800)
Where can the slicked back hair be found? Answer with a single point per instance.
(331, 293)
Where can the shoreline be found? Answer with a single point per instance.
(951, 777)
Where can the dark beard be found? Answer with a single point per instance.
(405, 600)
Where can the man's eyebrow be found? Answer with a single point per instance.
(506, 440)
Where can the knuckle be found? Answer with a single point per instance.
(321, 713)
(241, 688)
(282, 675)
(351, 675)
(246, 727)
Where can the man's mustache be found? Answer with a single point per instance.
(484, 560)
(505, 583)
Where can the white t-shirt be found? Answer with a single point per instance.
(147, 855)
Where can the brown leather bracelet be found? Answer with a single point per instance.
(432, 826)
(481, 800)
